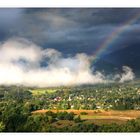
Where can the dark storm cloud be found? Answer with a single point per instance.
(69, 30)
(8, 21)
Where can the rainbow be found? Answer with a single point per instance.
(112, 37)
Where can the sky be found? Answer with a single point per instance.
(54, 46)
(69, 30)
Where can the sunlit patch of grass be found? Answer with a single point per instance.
(88, 117)
(104, 121)
(43, 91)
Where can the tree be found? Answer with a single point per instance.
(65, 115)
(77, 119)
(18, 94)
(13, 117)
(2, 126)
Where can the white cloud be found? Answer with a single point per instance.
(128, 74)
(15, 49)
(21, 64)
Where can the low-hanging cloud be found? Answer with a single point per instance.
(21, 64)
(128, 74)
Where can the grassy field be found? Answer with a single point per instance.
(102, 116)
(105, 121)
(128, 114)
(42, 91)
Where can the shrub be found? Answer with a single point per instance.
(83, 113)
(77, 119)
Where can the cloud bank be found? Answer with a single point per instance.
(24, 63)
(127, 75)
